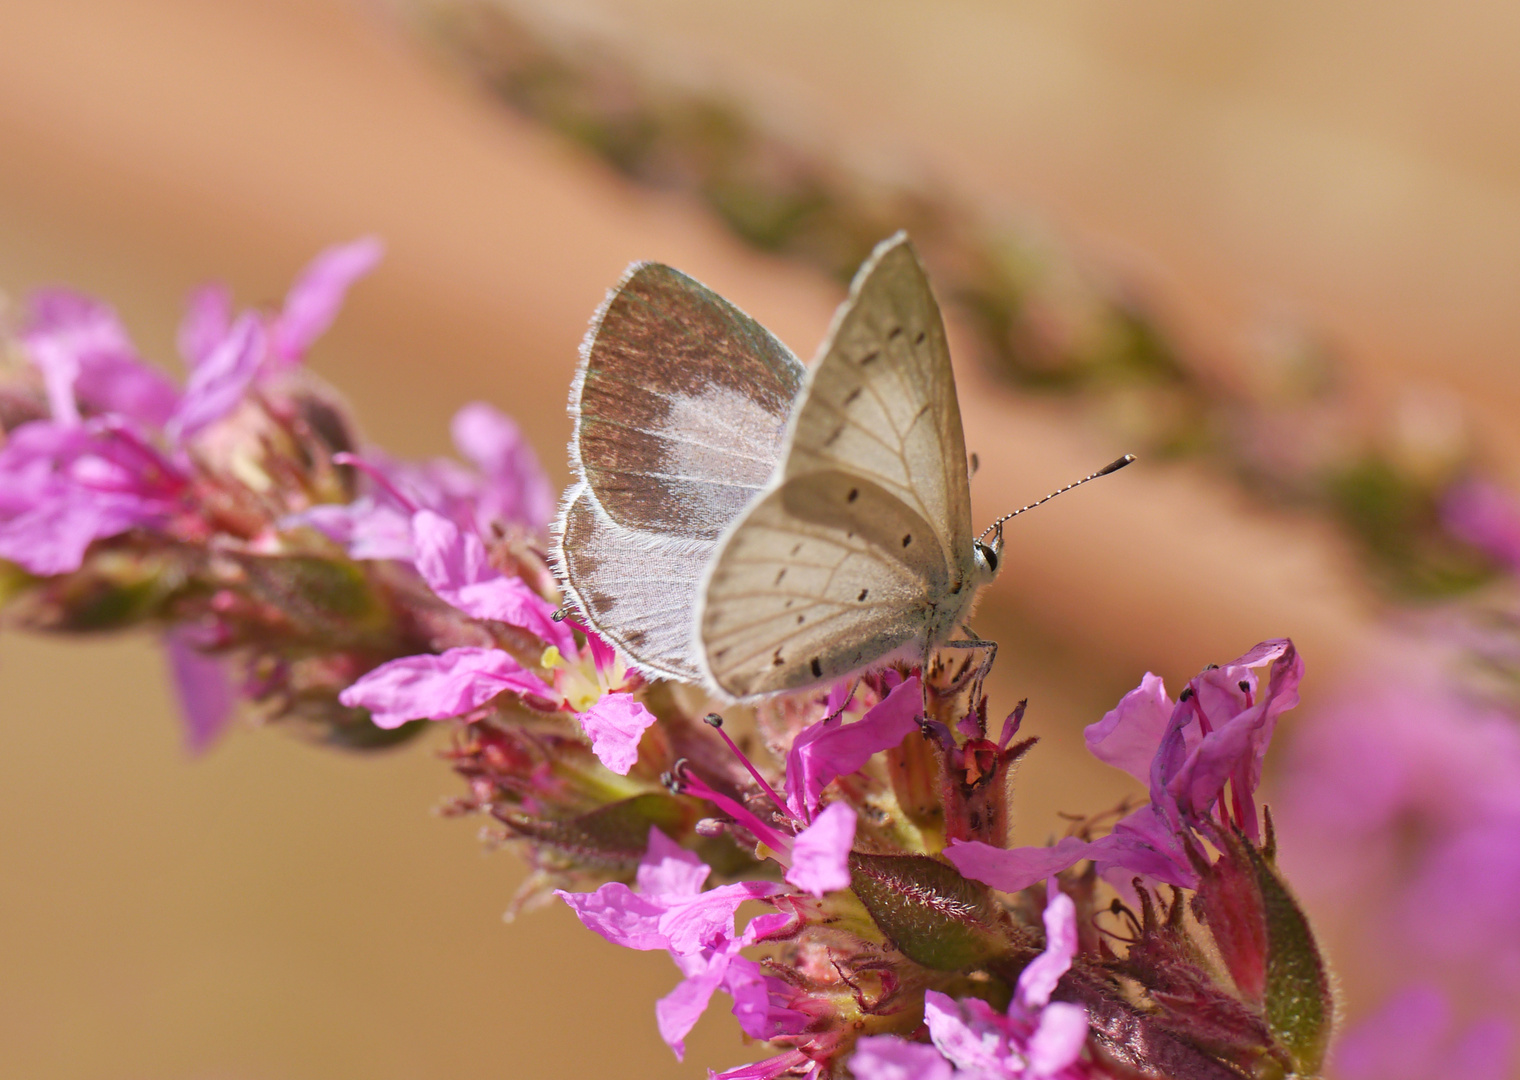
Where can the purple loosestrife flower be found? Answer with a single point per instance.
(1215, 734)
(87, 360)
(507, 487)
(1481, 513)
(670, 911)
(1034, 1038)
(455, 565)
(65, 485)
(1406, 792)
(831, 748)
(1411, 1038)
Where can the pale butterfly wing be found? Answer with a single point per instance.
(681, 404)
(863, 543)
(636, 587)
(680, 408)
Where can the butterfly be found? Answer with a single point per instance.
(743, 522)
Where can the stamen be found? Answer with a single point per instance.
(369, 469)
(715, 721)
(691, 784)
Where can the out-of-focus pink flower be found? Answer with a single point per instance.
(821, 852)
(670, 911)
(887, 1057)
(1215, 734)
(509, 487)
(832, 748)
(86, 358)
(1412, 1038)
(1486, 516)
(220, 381)
(313, 301)
(64, 486)
(1405, 792)
(513, 485)
(1035, 1038)
(440, 686)
(207, 318)
(206, 694)
(455, 566)
(782, 1064)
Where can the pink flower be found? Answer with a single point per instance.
(821, 852)
(1215, 734)
(441, 686)
(1411, 1038)
(64, 486)
(313, 301)
(507, 487)
(782, 1064)
(87, 359)
(832, 748)
(1486, 516)
(454, 564)
(670, 911)
(206, 695)
(1034, 1038)
(219, 382)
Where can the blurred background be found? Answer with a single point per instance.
(1272, 248)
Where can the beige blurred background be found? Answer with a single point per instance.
(278, 911)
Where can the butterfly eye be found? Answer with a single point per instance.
(989, 554)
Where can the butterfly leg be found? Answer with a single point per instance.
(978, 673)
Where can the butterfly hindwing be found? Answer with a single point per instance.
(636, 588)
(825, 575)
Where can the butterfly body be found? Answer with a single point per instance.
(758, 527)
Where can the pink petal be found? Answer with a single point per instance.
(615, 724)
(821, 852)
(515, 487)
(694, 923)
(772, 1067)
(206, 696)
(437, 687)
(887, 1057)
(218, 384)
(208, 315)
(620, 915)
(455, 566)
(831, 748)
(964, 1031)
(1058, 1040)
(678, 1011)
(1016, 869)
(1038, 981)
(668, 869)
(313, 301)
(1128, 736)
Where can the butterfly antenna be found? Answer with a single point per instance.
(1111, 467)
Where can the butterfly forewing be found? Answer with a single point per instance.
(636, 588)
(881, 402)
(866, 529)
(824, 577)
(680, 406)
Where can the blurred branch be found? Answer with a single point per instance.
(1042, 322)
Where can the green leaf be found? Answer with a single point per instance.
(929, 911)
(1299, 1009)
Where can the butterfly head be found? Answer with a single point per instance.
(987, 556)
